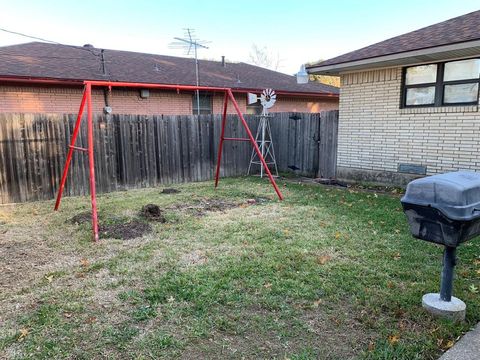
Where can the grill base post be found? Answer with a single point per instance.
(446, 283)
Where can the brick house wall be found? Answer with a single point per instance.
(48, 99)
(375, 135)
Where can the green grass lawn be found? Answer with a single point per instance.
(325, 274)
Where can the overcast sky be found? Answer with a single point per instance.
(296, 31)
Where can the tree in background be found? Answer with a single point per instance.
(262, 56)
(325, 79)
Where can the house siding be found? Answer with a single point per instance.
(48, 99)
(375, 135)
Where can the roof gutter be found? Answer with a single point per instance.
(469, 48)
(65, 82)
(290, 93)
(39, 81)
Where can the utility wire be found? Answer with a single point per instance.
(48, 41)
(30, 36)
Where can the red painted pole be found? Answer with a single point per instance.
(222, 137)
(70, 151)
(254, 144)
(91, 162)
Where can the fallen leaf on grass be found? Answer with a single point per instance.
(476, 262)
(371, 346)
(337, 235)
(267, 285)
(84, 262)
(449, 344)
(323, 259)
(317, 303)
(393, 339)
(478, 272)
(49, 278)
(91, 320)
(171, 299)
(445, 345)
(390, 285)
(23, 334)
(67, 315)
(397, 256)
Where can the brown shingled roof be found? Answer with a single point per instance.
(460, 29)
(52, 61)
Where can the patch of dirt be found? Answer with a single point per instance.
(170, 191)
(258, 200)
(81, 218)
(125, 231)
(153, 213)
(202, 207)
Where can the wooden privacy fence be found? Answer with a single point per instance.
(133, 151)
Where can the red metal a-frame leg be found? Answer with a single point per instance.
(86, 98)
(229, 95)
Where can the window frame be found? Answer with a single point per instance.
(439, 87)
(194, 103)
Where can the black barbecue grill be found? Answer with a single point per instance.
(444, 209)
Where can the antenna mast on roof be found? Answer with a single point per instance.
(190, 44)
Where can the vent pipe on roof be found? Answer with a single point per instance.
(223, 61)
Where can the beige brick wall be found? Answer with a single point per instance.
(48, 99)
(376, 135)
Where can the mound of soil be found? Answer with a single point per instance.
(81, 218)
(152, 212)
(170, 191)
(125, 231)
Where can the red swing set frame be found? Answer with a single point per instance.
(87, 100)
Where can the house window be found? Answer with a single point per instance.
(443, 84)
(205, 104)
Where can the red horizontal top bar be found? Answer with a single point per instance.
(161, 86)
(154, 86)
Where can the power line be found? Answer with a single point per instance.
(30, 36)
(48, 41)
(42, 57)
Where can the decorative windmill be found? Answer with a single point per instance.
(264, 133)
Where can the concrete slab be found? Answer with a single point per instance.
(453, 310)
(467, 348)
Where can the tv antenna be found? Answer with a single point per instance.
(190, 44)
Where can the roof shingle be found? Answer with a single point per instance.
(51, 61)
(460, 29)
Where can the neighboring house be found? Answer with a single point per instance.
(47, 78)
(409, 104)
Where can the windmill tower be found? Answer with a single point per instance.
(264, 132)
(190, 44)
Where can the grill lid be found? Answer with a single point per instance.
(455, 194)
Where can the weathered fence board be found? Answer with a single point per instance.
(140, 151)
(328, 138)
